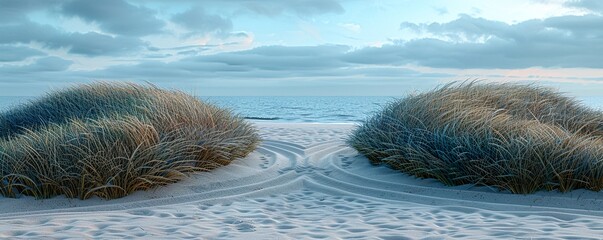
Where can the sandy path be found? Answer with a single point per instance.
(303, 182)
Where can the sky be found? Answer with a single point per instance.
(300, 47)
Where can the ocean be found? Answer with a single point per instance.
(299, 109)
(303, 109)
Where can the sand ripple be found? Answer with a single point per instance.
(303, 182)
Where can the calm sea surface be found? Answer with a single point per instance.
(299, 109)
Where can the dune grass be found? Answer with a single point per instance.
(109, 140)
(519, 138)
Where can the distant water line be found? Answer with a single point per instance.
(348, 109)
(303, 109)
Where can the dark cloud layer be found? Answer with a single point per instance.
(16, 28)
(46, 64)
(96, 44)
(15, 10)
(267, 63)
(592, 5)
(116, 16)
(90, 44)
(566, 41)
(281, 58)
(264, 62)
(14, 53)
(199, 21)
(123, 22)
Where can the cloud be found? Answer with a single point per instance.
(261, 62)
(304, 66)
(465, 26)
(45, 64)
(440, 10)
(468, 42)
(274, 61)
(504, 50)
(116, 16)
(198, 20)
(276, 58)
(577, 26)
(280, 70)
(16, 53)
(89, 44)
(592, 5)
(95, 44)
(14, 10)
(454, 46)
(50, 64)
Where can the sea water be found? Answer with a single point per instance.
(303, 109)
(299, 109)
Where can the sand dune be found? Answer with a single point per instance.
(303, 182)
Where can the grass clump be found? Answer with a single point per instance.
(109, 140)
(519, 138)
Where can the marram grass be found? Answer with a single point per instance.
(109, 140)
(519, 138)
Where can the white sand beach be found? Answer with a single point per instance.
(304, 182)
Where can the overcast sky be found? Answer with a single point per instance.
(300, 47)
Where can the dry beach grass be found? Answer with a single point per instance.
(109, 140)
(518, 138)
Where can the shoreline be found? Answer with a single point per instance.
(276, 122)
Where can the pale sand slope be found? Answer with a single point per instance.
(303, 182)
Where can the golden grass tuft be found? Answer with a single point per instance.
(519, 138)
(109, 140)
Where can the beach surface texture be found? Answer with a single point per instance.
(304, 182)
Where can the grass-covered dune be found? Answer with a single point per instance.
(109, 140)
(519, 138)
